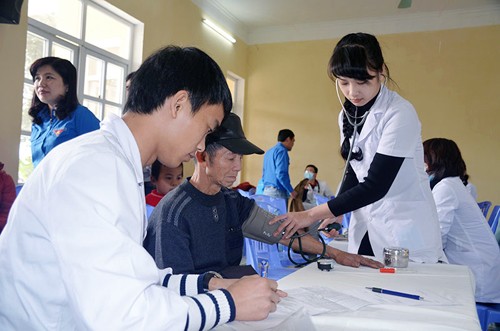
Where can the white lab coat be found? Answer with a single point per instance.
(71, 255)
(467, 237)
(406, 216)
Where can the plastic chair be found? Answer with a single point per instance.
(488, 313)
(493, 220)
(320, 199)
(484, 206)
(149, 210)
(276, 255)
(18, 189)
(273, 205)
(244, 193)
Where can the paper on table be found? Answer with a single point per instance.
(319, 300)
(280, 320)
(293, 311)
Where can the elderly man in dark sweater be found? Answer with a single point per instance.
(197, 227)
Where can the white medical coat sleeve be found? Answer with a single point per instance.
(112, 282)
(446, 204)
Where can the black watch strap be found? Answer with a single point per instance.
(208, 276)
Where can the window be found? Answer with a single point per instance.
(74, 30)
(237, 87)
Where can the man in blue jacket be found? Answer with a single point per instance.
(275, 177)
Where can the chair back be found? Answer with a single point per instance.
(276, 255)
(18, 188)
(493, 220)
(488, 313)
(149, 210)
(484, 206)
(244, 193)
(320, 199)
(273, 205)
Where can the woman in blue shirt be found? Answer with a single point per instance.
(56, 113)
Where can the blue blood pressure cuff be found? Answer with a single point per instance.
(257, 227)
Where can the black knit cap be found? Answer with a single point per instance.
(230, 135)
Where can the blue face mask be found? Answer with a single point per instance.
(308, 175)
(431, 177)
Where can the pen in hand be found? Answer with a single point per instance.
(399, 294)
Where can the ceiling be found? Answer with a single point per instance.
(270, 21)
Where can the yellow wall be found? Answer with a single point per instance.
(166, 22)
(12, 46)
(451, 77)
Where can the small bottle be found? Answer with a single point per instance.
(263, 266)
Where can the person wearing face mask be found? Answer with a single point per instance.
(306, 190)
(314, 186)
(56, 113)
(384, 185)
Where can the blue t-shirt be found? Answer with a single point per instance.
(52, 131)
(275, 170)
(193, 232)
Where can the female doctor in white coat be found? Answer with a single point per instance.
(385, 184)
(467, 237)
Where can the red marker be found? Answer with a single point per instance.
(388, 270)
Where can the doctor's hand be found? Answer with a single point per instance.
(333, 233)
(255, 297)
(352, 260)
(290, 223)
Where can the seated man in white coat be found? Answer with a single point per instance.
(71, 255)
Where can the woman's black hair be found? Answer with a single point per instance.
(352, 57)
(444, 159)
(67, 103)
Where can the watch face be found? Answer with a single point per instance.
(325, 264)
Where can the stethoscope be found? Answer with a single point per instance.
(356, 122)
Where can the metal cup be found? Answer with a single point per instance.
(396, 257)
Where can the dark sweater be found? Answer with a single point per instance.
(193, 232)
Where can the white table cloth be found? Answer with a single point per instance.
(448, 304)
(453, 283)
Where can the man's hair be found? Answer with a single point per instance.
(211, 149)
(284, 134)
(172, 69)
(312, 166)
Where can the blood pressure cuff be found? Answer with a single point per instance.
(257, 227)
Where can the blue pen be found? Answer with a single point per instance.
(399, 294)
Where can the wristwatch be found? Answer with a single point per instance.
(209, 275)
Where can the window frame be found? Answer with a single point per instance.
(81, 49)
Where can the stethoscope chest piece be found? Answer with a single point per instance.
(325, 264)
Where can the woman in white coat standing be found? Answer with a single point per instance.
(467, 237)
(385, 184)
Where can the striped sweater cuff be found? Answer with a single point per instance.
(184, 284)
(209, 310)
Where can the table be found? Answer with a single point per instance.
(453, 283)
(450, 281)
